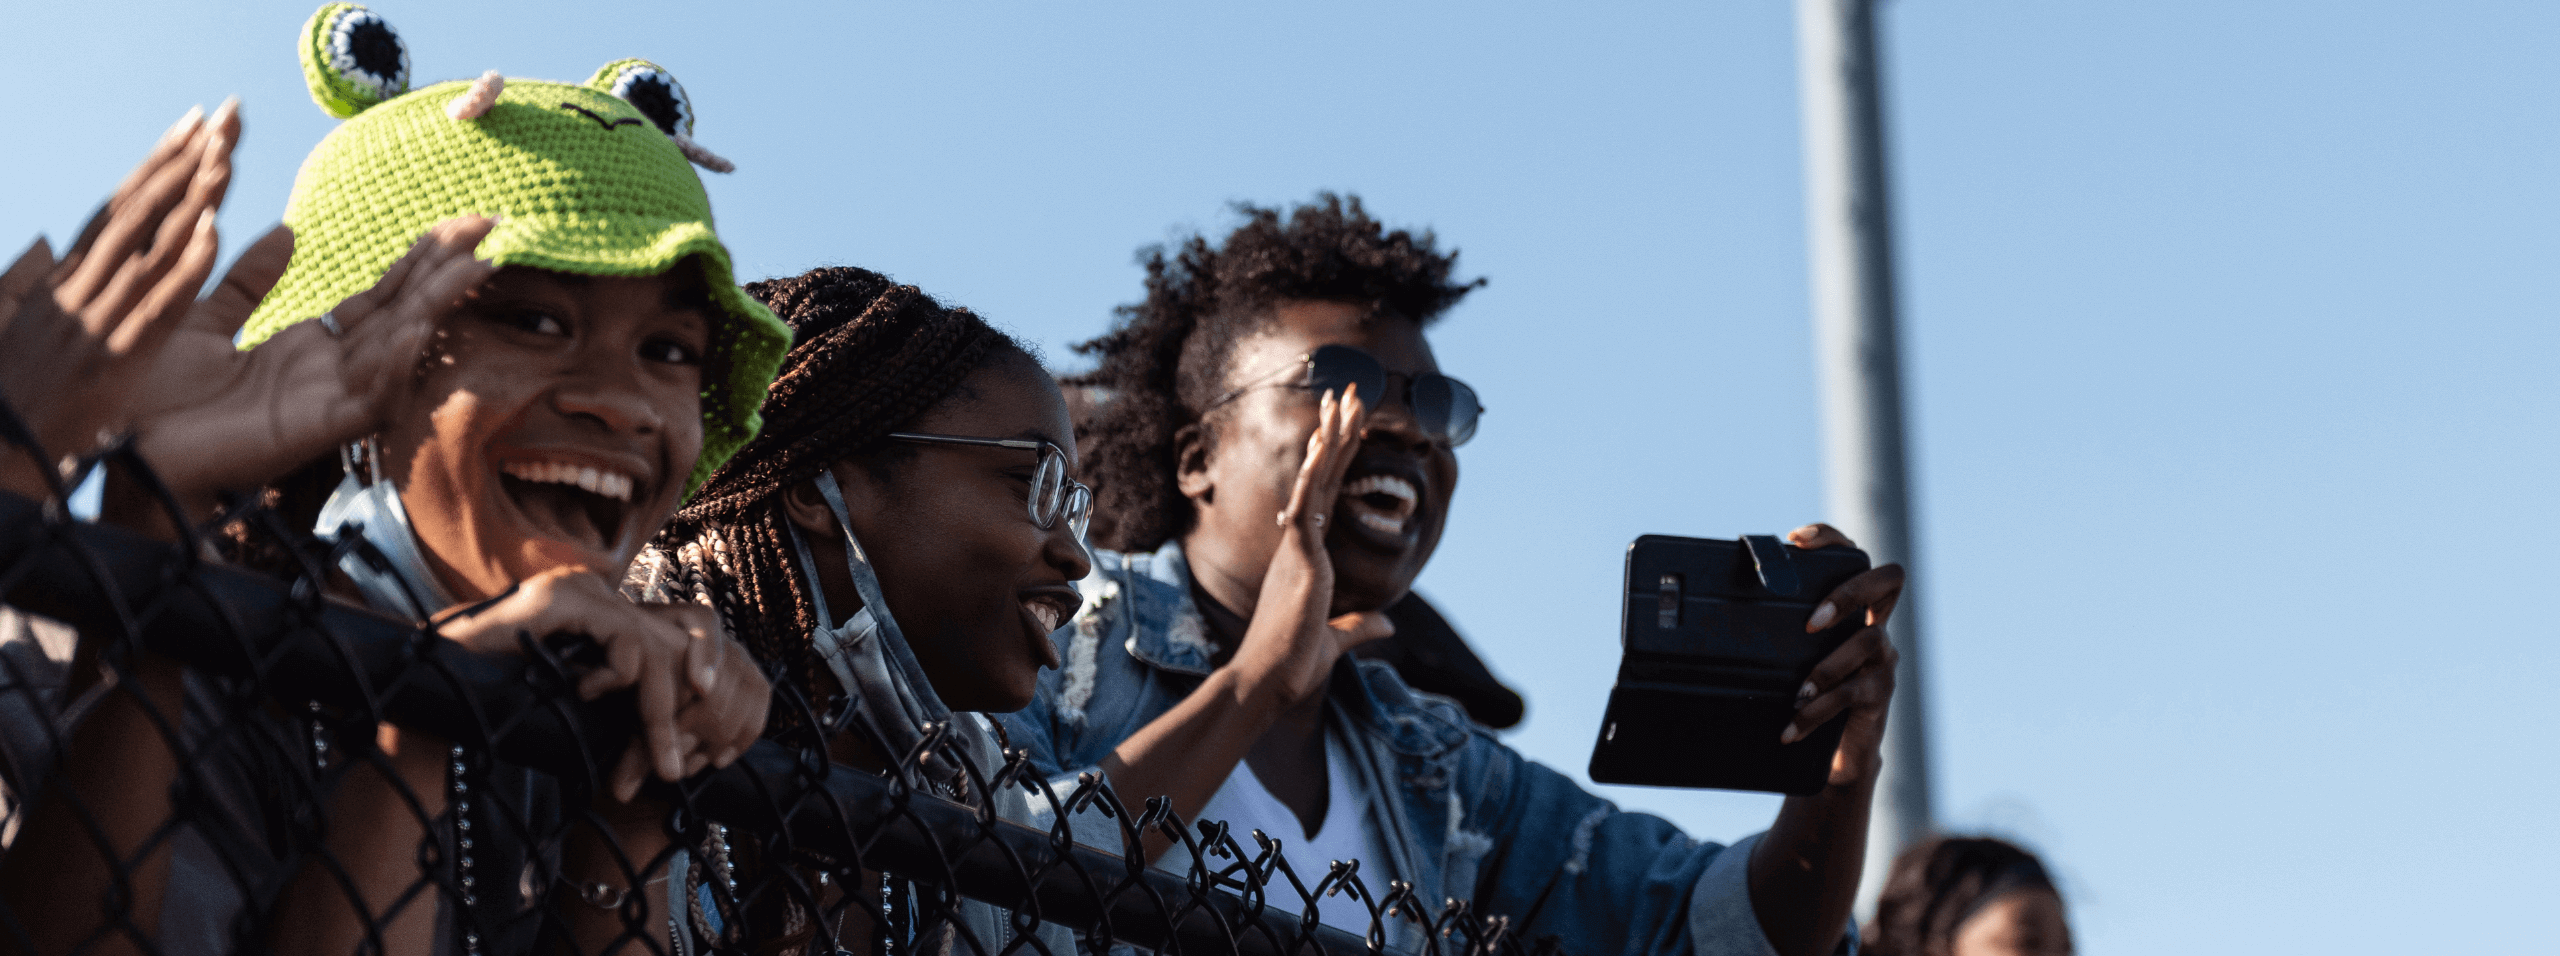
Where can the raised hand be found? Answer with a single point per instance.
(1290, 646)
(1858, 677)
(215, 418)
(702, 700)
(75, 345)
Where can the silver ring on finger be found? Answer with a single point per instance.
(329, 322)
(1319, 521)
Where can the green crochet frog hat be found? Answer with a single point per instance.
(594, 178)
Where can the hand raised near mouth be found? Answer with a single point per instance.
(1290, 647)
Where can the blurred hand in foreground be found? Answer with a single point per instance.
(75, 343)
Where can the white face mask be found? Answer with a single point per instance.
(870, 657)
(393, 573)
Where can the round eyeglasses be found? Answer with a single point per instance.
(1052, 492)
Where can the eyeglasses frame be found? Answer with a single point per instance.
(1069, 489)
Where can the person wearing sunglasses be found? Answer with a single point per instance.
(897, 545)
(1275, 466)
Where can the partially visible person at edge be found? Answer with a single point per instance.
(565, 358)
(915, 455)
(1264, 513)
(1969, 896)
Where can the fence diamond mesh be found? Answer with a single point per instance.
(176, 732)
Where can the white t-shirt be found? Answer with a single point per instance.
(1247, 806)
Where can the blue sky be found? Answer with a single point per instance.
(2229, 330)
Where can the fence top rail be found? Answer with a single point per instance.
(296, 646)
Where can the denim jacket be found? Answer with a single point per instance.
(1460, 814)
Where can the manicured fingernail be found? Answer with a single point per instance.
(180, 127)
(1804, 695)
(1822, 616)
(707, 677)
(221, 119)
(1789, 735)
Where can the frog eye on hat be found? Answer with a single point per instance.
(652, 90)
(352, 59)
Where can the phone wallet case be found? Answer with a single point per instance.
(1715, 650)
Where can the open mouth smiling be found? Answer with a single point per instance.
(574, 502)
(1382, 500)
(1043, 611)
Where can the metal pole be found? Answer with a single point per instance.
(1868, 489)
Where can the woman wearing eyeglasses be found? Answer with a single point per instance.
(1275, 464)
(897, 543)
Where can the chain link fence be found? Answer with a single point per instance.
(177, 735)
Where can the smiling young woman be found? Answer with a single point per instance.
(596, 364)
(899, 541)
(1284, 372)
(559, 414)
(500, 343)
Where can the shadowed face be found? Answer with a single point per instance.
(974, 583)
(554, 424)
(1395, 497)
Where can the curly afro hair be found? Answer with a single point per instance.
(1166, 357)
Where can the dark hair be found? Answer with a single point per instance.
(868, 356)
(1937, 884)
(1167, 355)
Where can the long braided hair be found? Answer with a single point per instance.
(868, 356)
(1167, 356)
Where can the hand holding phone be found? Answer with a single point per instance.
(1718, 650)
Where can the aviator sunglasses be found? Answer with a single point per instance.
(1052, 492)
(1444, 407)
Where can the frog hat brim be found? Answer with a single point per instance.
(594, 179)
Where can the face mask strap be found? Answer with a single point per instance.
(865, 667)
(865, 581)
(384, 561)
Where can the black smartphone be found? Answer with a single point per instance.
(1714, 652)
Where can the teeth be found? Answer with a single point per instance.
(1382, 523)
(1383, 484)
(1045, 613)
(610, 484)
